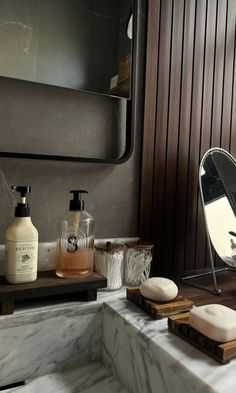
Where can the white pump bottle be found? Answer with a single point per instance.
(21, 243)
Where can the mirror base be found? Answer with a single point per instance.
(215, 290)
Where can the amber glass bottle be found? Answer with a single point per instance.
(76, 241)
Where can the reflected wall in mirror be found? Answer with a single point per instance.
(218, 185)
(77, 44)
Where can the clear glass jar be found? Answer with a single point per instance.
(138, 258)
(109, 262)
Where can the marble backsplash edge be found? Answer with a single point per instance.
(48, 251)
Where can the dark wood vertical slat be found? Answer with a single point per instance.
(152, 56)
(183, 148)
(219, 79)
(209, 60)
(228, 75)
(173, 134)
(218, 75)
(161, 130)
(195, 133)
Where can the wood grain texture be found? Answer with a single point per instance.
(48, 284)
(221, 352)
(158, 310)
(150, 114)
(191, 66)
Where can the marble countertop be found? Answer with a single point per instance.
(145, 352)
(139, 352)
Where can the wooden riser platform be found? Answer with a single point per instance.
(47, 285)
(158, 310)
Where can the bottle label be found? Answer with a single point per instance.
(21, 257)
(72, 241)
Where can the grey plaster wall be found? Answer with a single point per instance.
(113, 190)
(36, 117)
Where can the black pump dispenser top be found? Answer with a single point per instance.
(22, 209)
(77, 204)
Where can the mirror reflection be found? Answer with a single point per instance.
(218, 186)
(77, 44)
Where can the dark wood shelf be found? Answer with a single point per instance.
(48, 284)
(226, 282)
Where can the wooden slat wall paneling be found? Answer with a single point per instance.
(218, 72)
(195, 100)
(206, 124)
(218, 90)
(162, 112)
(184, 135)
(149, 118)
(195, 128)
(173, 131)
(228, 74)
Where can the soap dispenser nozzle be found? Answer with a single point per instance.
(22, 208)
(23, 190)
(77, 204)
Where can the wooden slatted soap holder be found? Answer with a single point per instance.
(158, 310)
(222, 352)
(48, 284)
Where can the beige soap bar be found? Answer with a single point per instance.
(159, 288)
(215, 321)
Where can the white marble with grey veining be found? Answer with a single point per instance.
(38, 340)
(90, 377)
(147, 358)
(140, 352)
(38, 343)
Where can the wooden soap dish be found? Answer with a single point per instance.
(48, 284)
(222, 352)
(158, 310)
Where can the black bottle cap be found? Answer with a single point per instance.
(22, 209)
(77, 204)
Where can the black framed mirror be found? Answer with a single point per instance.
(217, 184)
(119, 146)
(75, 44)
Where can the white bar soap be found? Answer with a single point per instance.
(215, 321)
(159, 288)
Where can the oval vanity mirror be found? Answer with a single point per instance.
(217, 184)
(218, 190)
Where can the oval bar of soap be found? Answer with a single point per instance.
(215, 321)
(159, 288)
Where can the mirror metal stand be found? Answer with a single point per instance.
(215, 290)
(188, 280)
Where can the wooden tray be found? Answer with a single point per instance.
(222, 352)
(48, 284)
(158, 310)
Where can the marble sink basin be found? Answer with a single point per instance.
(83, 377)
(103, 347)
